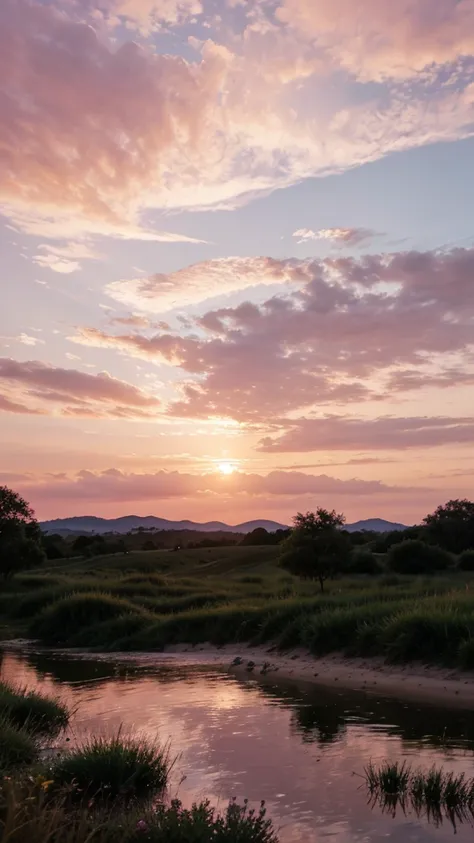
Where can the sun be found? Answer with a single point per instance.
(226, 468)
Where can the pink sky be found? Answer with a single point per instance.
(231, 300)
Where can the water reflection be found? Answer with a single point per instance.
(297, 748)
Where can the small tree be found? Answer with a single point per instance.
(451, 526)
(316, 547)
(20, 535)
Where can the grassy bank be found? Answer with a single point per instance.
(148, 600)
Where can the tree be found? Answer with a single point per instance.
(316, 547)
(259, 536)
(452, 526)
(20, 535)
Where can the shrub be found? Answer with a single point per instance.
(113, 767)
(32, 710)
(416, 557)
(425, 634)
(466, 561)
(30, 814)
(60, 621)
(364, 562)
(17, 746)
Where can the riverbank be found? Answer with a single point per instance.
(428, 684)
(424, 683)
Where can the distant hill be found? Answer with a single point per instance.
(377, 525)
(91, 524)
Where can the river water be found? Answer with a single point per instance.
(302, 749)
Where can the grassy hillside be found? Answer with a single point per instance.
(147, 600)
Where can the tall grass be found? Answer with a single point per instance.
(30, 814)
(112, 768)
(17, 746)
(434, 788)
(32, 710)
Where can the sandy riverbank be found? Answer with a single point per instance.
(433, 685)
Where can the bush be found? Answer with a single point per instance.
(17, 746)
(32, 710)
(364, 562)
(429, 635)
(61, 620)
(30, 814)
(466, 561)
(416, 557)
(113, 767)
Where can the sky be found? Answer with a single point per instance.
(237, 256)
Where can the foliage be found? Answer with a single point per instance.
(466, 561)
(364, 562)
(17, 746)
(416, 557)
(31, 813)
(110, 768)
(316, 547)
(452, 526)
(32, 710)
(20, 536)
(433, 788)
(61, 620)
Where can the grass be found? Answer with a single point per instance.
(434, 789)
(31, 814)
(148, 600)
(31, 710)
(112, 768)
(18, 747)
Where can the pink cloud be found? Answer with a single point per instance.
(343, 333)
(33, 379)
(376, 39)
(338, 236)
(340, 433)
(92, 134)
(159, 293)
(114, 485)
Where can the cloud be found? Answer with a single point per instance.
(343, 331)
(65, 259)
(339, 236)
(95, 395)
(7, 406)
(379, 39)
(159, 293)
(149, 15)
(95, 131)
(115, 486)
(339, 433)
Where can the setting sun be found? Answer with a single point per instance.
(226, 468)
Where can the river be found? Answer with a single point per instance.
(300, 748)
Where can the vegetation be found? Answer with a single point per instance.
(31, 710)
(17, 746)
(20, 535)
(452, 526)
(433, 789)
(112, 768)
(415, 557)
(32, 814)
(316, 548)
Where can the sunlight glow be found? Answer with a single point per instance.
(226, 468)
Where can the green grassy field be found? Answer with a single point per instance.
(148, 600)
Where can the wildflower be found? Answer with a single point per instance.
(142, 825)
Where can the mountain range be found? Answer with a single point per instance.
(92, 524)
